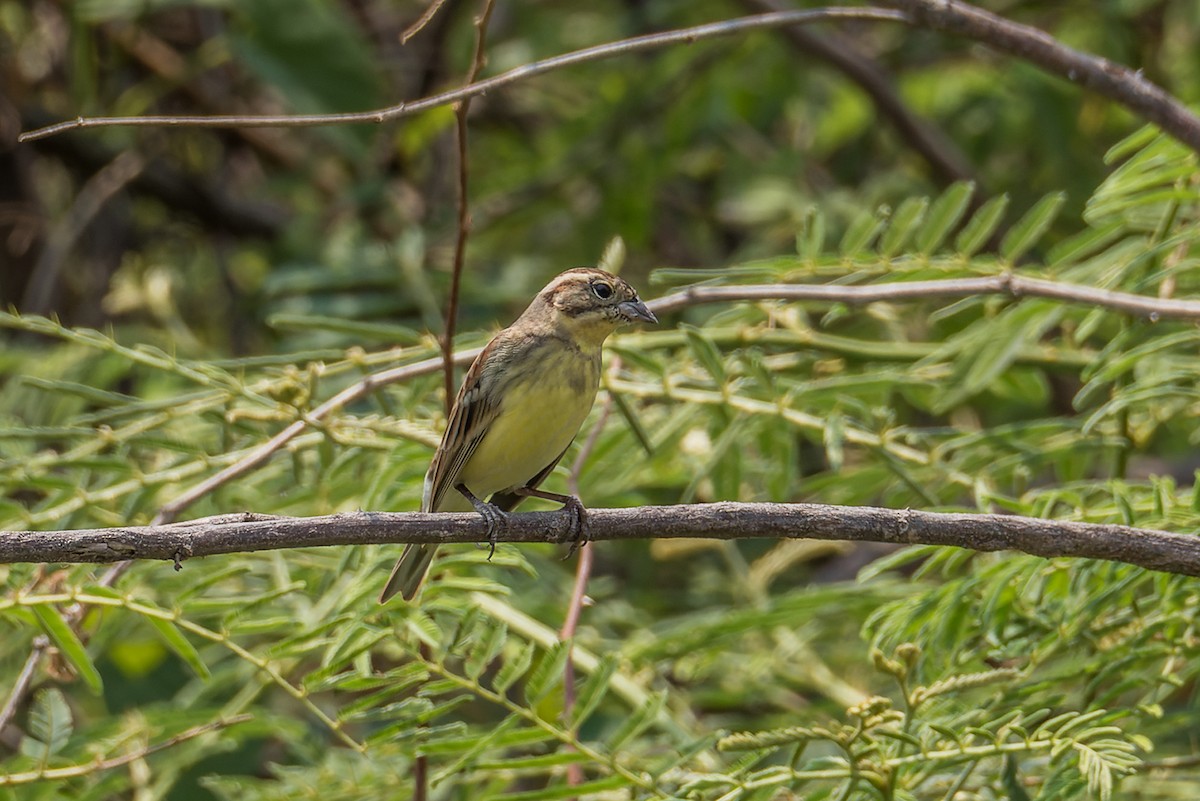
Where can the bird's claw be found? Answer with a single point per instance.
(495, 519)
(577, 531)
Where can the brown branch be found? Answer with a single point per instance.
(426, 17)
(583, 572)
(1114, 81)
(464, 211)
(1155, 550)
(622, 47)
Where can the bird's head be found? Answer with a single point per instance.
(590, 304)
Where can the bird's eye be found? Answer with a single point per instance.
(602, 290)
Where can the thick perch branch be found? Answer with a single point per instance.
(1156, 550)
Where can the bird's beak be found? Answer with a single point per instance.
(636, 310)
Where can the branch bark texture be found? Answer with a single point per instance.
(1156, 550)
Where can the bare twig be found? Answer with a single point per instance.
(1152, 308)
(24, 679)
(524, 72)
(1151, 549)
(464, 212)
(1116, 82)
(95, 766)
(426, 17)
(583, 571)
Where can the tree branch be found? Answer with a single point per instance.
(464, 211)
(1114, 81)
(1152, 549)
(1151, 308)
(407, 109)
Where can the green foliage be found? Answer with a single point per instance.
(993, 674)
(710, 671)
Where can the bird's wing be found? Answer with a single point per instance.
(507, 501)
(474, 410)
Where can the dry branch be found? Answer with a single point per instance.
(1156, 550)
(1115, 81)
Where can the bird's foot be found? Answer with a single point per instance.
(493, 516)
(577, 533)
(577, 530)
(496, 520)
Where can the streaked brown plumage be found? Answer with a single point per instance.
(520, 405)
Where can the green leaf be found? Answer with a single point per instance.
(706, 352)
(1131, 144)
(584, 790)
(902, 225)
(943, 215)
(633, 421)
(1029, 229)
(180, 644)
(69, 645)
(358, 329)
(50, 721)
(980, 227)
(638, 720)
(835, 440)
(482, 744)
(1010, 779)
(810, 241)
(593, 690)
(514, 668)
(485, 651)
(548, 672)
(862, 231)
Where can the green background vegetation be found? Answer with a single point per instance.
(237, 278)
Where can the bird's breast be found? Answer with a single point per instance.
(543, 404)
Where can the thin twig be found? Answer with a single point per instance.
(464, 211)
(1152, 308)
(425, 18)
(608, 50)
(1117, 82)
(21, 686)
(1152, 549)
(583, 571)
(88, 768)
(420, 772)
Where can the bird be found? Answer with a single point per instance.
(520, 406)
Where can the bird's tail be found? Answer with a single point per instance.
(409, 571)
